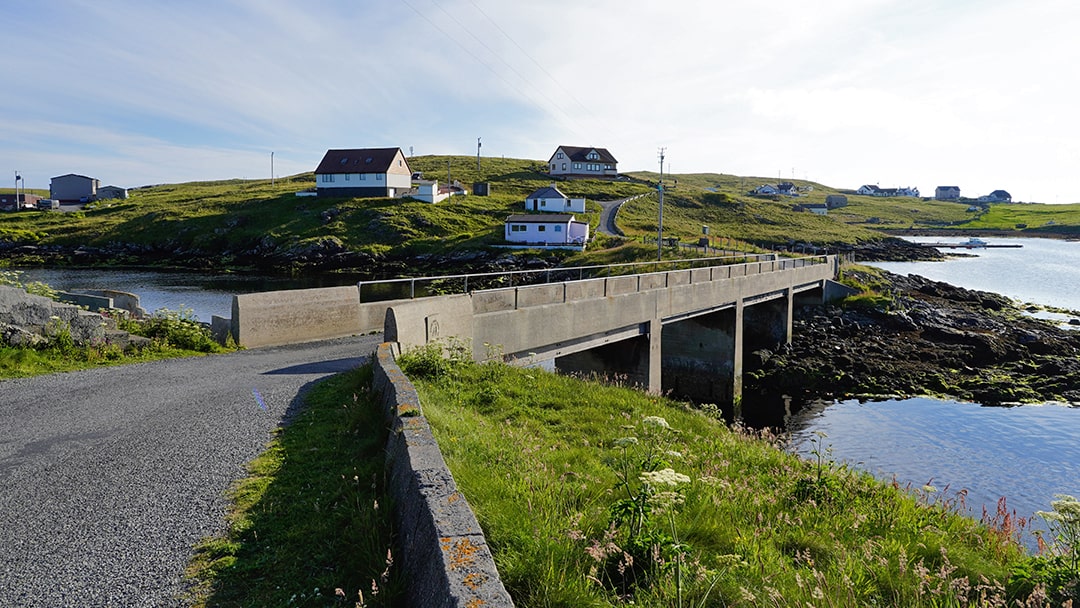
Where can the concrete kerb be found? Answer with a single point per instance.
(445, 556)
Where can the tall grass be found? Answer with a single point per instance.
(538, 456)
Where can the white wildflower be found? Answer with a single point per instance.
(664, 477)
(625, 442)
(656, 421)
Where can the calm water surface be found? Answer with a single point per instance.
(204, 294)
(1026, 454)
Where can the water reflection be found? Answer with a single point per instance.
(1026, 454)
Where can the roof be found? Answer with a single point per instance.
(1000, 194)
(948, 187)
(578, 154)
(547, 192)
(358, 160)
(547, 218)
(72, 175)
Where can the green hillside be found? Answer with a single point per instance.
(236, 223)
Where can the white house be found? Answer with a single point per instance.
(554, 229)
(574, 160)
(363, 172)
(549, 199)
(766, 190)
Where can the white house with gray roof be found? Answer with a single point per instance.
(582, 162)
(546, 230)
(363, 172)
(549, 199)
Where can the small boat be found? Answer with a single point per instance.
(974, 243)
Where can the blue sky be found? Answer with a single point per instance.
(979, 95)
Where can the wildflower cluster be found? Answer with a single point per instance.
(641, 546)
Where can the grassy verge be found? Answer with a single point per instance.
(597, 496)
(310, 525)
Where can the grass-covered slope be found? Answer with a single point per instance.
(597, 496)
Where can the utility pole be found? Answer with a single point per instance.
(660, 219)
(271, 168)
(18, 203)
(478, 155)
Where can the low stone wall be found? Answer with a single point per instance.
(29, 320)
(444, 554)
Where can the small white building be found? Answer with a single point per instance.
(429, 191)
(554, 229)
(549, 199)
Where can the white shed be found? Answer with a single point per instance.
(554, 229)
(549, 199)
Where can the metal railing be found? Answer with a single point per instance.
(414, 287)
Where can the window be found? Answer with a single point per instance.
(346, 177)
(517, 228)
(378, 177)
(564, 166)
(541, 228)
(559, 155)
(558, 228)
(577, 165)
(543, 203)
(593, 156)
(363, 176)
(552, 166)
(329, 177)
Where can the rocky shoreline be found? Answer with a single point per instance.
(933, 339)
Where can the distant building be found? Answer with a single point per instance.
(947, 193)
(1000, 196)
(106, 192)
(834, 201)
(363, 172)
(815, 208)
(553, 229)
(8, 201)
(72, 188)
(872, 190)
(588, 162)
(549, 199)
(429, 191)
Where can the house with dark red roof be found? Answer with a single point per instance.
(582, 162)
(363, 172)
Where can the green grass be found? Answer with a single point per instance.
(537, 456)
(311, 518)
(242, 223)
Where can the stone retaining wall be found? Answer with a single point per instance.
(445, 556)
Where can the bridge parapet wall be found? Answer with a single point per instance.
(539, 295)
(584, 290)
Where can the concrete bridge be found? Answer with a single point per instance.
(684, 329)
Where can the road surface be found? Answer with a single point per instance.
(608, 211)
(108, 477)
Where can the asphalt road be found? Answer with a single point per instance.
(108, 477)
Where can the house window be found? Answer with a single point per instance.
(593, 156)
(559, 155)
(363, 176)
(558, 228)
(552, 166)
(541, 228)
(346, 177)
(517, 228)
(378, 177)
(564, 166)
(577, 165)
(329, 177)
(543, 203)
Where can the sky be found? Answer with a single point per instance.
(923, 93)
